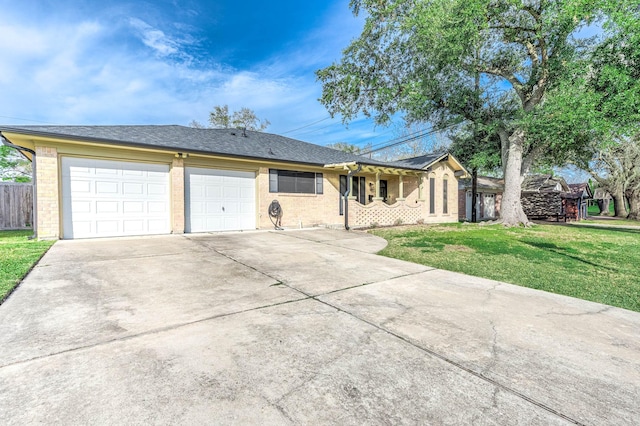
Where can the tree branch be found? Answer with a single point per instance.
(510, 77)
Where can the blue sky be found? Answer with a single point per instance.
(170, 62)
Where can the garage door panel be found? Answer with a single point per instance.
(106, 172)
(157, 207)
(212, 191)
(113, 198)
(107, 188)
(107, 227)
(107, 207)
(133, 207)
(219, 200)
(156, 189)
(133, 226)
(130, 188)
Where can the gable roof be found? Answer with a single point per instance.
(580, 190)
(422, 162)
(484, 182)
(601, 194)
(544, 183)
(224, 142)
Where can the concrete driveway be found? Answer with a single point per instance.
(301, 327)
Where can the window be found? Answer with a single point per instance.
(445, 194)
(432, 195)
(358, 191)
(295, 182)
(383, 190)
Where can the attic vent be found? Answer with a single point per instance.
(271, 152)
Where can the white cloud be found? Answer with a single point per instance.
(84, 72)
(155, 38)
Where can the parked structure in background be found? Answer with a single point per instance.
(488, 198)
(543, 196)
(576, 202)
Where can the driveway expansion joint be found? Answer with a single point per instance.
(150, 332)
(459, 365)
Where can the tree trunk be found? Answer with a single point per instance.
(603, 205)
(511, 212)
(634, 205)
(619, 203)
(474, 194)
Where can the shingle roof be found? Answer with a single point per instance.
(484, 182)
(580, 189)
(544, 183)
(226, 142)
(422, 161)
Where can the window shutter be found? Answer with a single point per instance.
(445, 195)
(432, 195)
(319, 183)
(273, 180)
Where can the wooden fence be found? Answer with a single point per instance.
(16, 205)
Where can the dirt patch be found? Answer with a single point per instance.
(458, 248)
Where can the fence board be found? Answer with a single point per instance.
(16, 205)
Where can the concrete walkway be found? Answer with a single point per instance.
(301, 327)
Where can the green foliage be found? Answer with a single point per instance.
(601, 265)
(345, 147)
(13, 166)
(245, 118)
(18, 254)
(485, 62)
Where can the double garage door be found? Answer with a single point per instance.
(104, 198)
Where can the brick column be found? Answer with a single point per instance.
(377, 197)
(47, 193)
(177, 196)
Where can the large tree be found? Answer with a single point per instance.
(244, 118)
(597, 104)
(445, 61)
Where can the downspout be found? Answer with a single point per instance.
(348, 193)
(34, 183)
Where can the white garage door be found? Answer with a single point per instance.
(102, 198)
(219, 200)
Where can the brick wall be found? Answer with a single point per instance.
(48, 203)
(301, 210)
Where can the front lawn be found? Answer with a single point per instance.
(18, 254)
(601, 265)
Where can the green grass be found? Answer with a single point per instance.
(18, 254)
(594, 210)
(601, 265)
(611, 222)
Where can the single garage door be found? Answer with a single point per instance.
(103, 198)
(219, 200)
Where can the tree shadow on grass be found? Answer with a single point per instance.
(563, 252)
(609, 228)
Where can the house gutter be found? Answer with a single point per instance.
(34, 198)
(348, 193)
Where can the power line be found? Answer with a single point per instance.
(409, 138)
(26, 119)
(306, 125)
